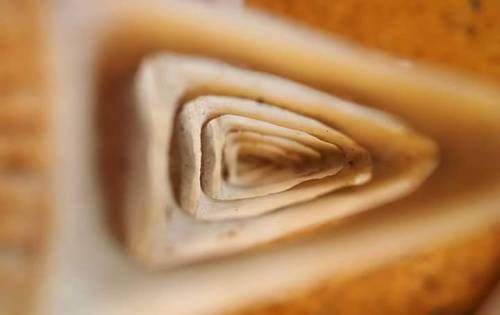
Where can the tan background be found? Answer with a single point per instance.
(23, 152)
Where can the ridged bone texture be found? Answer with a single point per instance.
(225, 158)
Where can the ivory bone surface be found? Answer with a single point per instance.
(195, 225)
(89, 273)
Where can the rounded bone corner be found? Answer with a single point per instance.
(190, 149)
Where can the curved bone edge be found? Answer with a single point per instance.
(213, 140)
(219, 139)
(427, 98)
(403, 161)
(201, 109)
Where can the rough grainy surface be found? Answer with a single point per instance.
(460, 35)
(22, 153)
(449, 280)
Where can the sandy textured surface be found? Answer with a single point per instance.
(462, 35)
(23, 167)
(445, 281)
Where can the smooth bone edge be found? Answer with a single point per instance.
(171, 222)
(460, 198)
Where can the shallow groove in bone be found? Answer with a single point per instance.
(201, 110)
(299, 161)
(176, 98)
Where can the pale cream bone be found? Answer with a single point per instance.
(352, 145)
(269, 142)
(89, 273)
(356, 169)
(289, 162)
